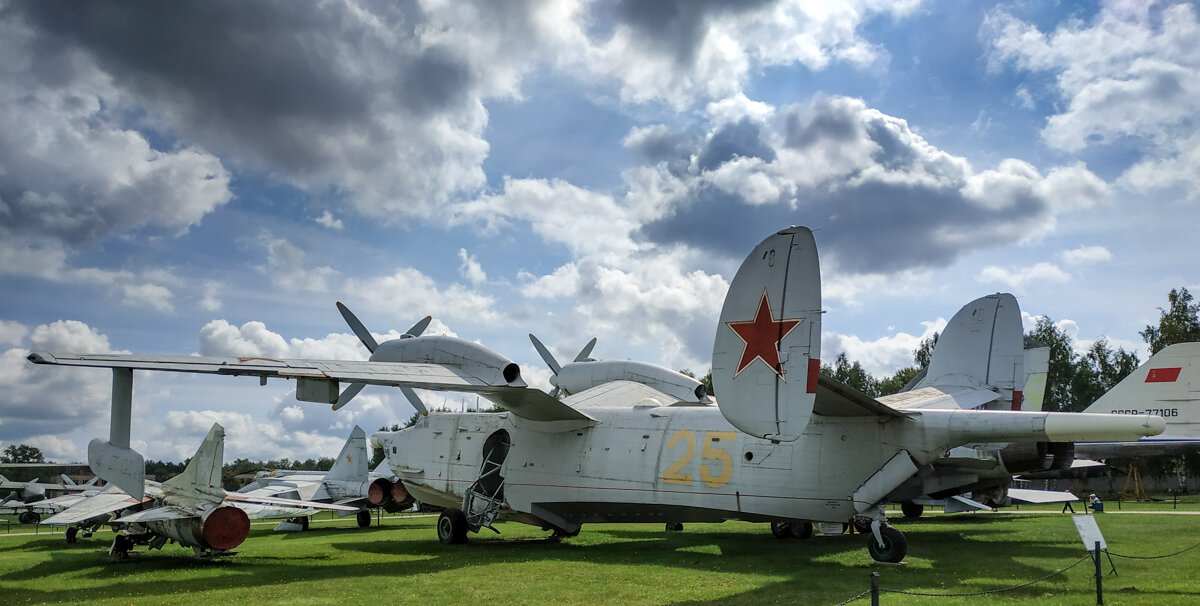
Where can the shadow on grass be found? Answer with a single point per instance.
(945, 555)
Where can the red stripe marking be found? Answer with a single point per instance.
(814, 369)
(1018, 397)
(1163, 375)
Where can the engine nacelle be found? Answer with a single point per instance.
(578, 376)
(379, 493)
(1038, 456)
(221, 528)
(472, 358)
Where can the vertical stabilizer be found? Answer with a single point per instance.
(204, 470)
(351, 464)
(982, 346)
(1037, 372)
(768, 346)
(1167, 385)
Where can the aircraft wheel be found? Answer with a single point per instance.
(783, 530)
(452, 527)
(72, 534)
(29, 517)
(801, 530)
(364, 519)
(894, 547)
(674, 526)
(912, 510)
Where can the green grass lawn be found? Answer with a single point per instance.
(401, 562)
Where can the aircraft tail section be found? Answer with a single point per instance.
(767, 351)
(204, 470)
(122, 467)
(1167, 385)
(351, 464)
(1037, 372)
(982, 346)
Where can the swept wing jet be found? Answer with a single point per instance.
(773, 448)
(190, 508)
(347, 482)
(31, 499)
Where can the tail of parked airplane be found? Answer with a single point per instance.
(982, 346)
(204, 470)
(1167, 385)
(767, 352)
(351, 464)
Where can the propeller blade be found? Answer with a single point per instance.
(348, 394)
(545, 353)
(586, 352)
(414, 400)
(364, 335)
(420, 326)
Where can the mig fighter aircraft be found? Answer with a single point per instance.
(779, 445)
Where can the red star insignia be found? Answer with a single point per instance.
(762, 336)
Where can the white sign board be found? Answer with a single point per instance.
(1089, 532)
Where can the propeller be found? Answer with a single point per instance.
(368, 341)
(555, 367)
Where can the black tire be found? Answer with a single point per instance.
(303, 523)
(452, 527)
(801, 530)
(364, 518)
(894, 547)
(912, 510)
(72, 534)
(674, 526)
(782, 530)
(29, 517)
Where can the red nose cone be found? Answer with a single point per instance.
(226, 527)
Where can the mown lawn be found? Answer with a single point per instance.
(401, 562)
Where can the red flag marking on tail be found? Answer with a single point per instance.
(1163, 375)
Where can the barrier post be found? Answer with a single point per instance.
(1099, 576)
(874, 589)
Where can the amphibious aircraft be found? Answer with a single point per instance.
(1167, 385)
(779, 445)
(190, 508)
(348, 483)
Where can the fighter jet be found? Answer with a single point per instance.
(346, 483)
(190, 508)
(31, 499)
(773, 448)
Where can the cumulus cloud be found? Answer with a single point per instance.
(882, 356)
(1129, 72)
(288, 270)
(329, 221)
(45, 401)
(1086, 255)
(470, 268)
(1016, 279)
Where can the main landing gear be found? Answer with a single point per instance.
(452, 527)
(886, 544)
(364, 518)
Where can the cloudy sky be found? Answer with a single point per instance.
(210, 178)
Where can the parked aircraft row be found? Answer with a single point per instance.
(633, 442)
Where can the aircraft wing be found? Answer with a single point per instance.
(1028, 495)
(103, 503)
(525, 402)
(940, 398)
(239, 498)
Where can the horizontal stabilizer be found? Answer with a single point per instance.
(1028, 495)
(124, 468)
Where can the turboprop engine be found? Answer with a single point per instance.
(222, 528)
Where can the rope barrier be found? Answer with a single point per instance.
(985, 592)
(1155, 557)
(857, 597)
